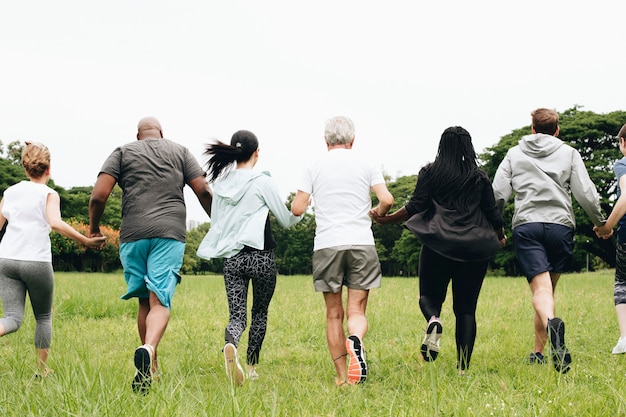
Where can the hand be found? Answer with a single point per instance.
(376, 216)
(96, 241)
(603, 232)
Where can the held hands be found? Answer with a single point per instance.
(95, 241)
(603, 232)
(376, 216)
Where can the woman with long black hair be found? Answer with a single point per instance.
(454, 213)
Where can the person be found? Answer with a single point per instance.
(455, 183)
(343, 250)
(241, 234)
(618, 218)
(152, 173)
(31, 209)
(543, 172)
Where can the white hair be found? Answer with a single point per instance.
(339, 131)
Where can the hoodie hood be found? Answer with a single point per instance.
(539, 145)
(233, 187)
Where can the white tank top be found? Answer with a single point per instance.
(27, 237)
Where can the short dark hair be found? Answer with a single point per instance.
(622, 132)
(545, 121)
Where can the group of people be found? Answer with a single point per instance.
(455, 210)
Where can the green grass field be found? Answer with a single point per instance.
(95, 337)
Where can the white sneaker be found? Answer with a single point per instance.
(233, 369)
(620, 347)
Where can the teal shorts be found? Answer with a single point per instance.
(152, 265)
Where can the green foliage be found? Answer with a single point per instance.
(591, 133)
(95, 335)
(594, 136)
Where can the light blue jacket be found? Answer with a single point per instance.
(241, 201)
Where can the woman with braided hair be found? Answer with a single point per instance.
(454, 213)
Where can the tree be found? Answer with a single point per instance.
(387, 236)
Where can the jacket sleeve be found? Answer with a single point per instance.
(275, 204)
(420, 200)
(488, 205)
(584, 190)
(502, 182)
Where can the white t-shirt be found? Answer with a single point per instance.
(27, 237)
(340, 184)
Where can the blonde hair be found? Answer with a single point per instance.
(35, 159)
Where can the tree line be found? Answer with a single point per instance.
(592, 134)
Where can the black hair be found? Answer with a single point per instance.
(222, 156)
(454, 175)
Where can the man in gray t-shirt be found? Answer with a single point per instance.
(152, 173)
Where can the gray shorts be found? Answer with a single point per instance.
(355, 266)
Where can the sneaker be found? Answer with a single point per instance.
(253, 375)
(357, 368)
(620, 347)
(537, 358)
(143, 363)
(430, 345)
(561, 357)
(233, 369)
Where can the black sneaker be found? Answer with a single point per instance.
(143, 362)
(430, 345)
(561, 357)
(537, 358)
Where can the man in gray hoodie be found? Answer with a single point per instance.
(543, 172)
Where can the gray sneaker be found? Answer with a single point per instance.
(561, 357)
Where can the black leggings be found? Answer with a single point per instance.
(435, 273)
(260, 266)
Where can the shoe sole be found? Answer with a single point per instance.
(233, 369)
(561, 358)
(430, 345)
(143, 377)
(357, 367)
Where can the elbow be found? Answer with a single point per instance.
(297, 210)
(387, 202)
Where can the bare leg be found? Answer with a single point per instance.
(355, 310)
(335, 335)
(542, 287)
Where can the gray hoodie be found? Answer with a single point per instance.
(543, 173)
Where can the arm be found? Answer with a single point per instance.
(619, 210)
(300, 203)
(53, 213)
(99, 196)
(397, 217)
(203, 192)
(584, 190)
(502, 188)
(3, 219)
(272, 199)
(385, 200)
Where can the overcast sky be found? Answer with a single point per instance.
(78, 75)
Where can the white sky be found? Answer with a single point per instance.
(77, 75)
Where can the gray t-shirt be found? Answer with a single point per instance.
(152, 174)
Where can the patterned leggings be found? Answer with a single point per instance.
(619, 288)
(260, 266)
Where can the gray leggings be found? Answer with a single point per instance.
(36, 278)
